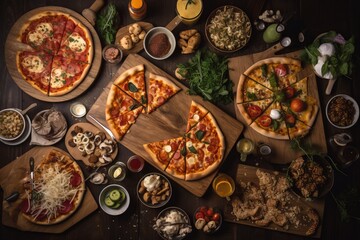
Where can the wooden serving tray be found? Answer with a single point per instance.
(11, 180)
(12, 45)
(75, 153)
(248, 174)
(281, 149)
(168, 121)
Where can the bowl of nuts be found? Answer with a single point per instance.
(154, 190)
(12, 124)
(342, 111)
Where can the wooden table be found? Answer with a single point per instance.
(136, 223)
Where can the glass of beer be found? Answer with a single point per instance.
(189, 11)
(223, 185)
(244, 146)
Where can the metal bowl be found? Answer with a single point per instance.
(152, 33)
(22, 124)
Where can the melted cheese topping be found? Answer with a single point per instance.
(58, 78)
(33, 64)
(52, 189)
(35, 37)
(76, 43)
(45, 29)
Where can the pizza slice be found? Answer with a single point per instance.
(70, 26)
(251, 90)
(295, 127)
(251, 110)
(196, 113)
(118, 102)
(161, 152)
(132, 81)
(121, 124)
(305, 109)
(271, 122)
(78, 46)
(44, 31)
(286, 72)
(66, 74)
(35, 68)
(177, 164)
(160, 90)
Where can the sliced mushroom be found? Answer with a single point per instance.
(107, 158)
(97, 140)
(98, 178)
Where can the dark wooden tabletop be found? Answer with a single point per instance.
(317, 17)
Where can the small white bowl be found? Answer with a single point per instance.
(111, 211)
(22, 120)
(356, 106)
(153, 32)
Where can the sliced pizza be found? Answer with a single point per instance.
(196, 113)
(271, 123)
(160, 90)
(121, 124)
(252, 110)
(177, 164)
(250, 90)
(66, 74)
(78, 46)
(132, 81)
(70, 26)
(295, 127)
(305, 110)
(161, 152)
(35, 68)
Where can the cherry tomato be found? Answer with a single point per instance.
(203, 210)
(210, 212)
(290, 120)
(297, 105)
(216, 217)
(254, 111)
(289, 92)
(265, 120)
(199, 215)
(280, 70)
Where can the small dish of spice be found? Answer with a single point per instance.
(112, 53)
(159, 43)
(342, 111)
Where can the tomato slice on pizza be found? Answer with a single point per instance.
(35, 68)
(177, 164)
(161, 152)
(66, 74)
(196, 113)
(252, 110)
(132, 81)
(160, 90)
(250, 90)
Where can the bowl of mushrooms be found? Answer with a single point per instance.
(12, 124)
(154, 190)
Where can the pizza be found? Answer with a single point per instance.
(194, 155)
(128, 98)
(59, 188)
(274, 100)
(61, 55)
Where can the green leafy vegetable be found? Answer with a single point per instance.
(251, 96)
(339, 64)
(132, 87)
(264, 70)
(199, 135)
(273, 80)
(348, 202)
(207, 74)
(192, 149)
(183, 151)
(107, 23)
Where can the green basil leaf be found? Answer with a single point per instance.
(143, 100)
(132, 107)
(273, 80)
(199, 135)
(264, 70)
(276, 125)
(132, 87)
(183, 151)
(192, 149)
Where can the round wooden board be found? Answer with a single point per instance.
(12, 45)
(75, 153)
(125, 31)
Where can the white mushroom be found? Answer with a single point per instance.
(98, 178)
(107, 158)
(126, 42)
(101, 160)
(142, 35)
(134, 38)
(131, 29)
(137, 29)
(97, 139)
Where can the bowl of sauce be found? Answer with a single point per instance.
(159, 43)
(112, 53)
(135, 163)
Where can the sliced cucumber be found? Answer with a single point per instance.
(108, 202)
(115, 195)
(116, 205)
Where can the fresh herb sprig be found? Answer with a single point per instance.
(207, 74)
(348, 202)
(188, 3)
(107, 23)
(339, 64)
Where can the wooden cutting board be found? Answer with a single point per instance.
(12, 45)
(248, 174)
(168, 121)
(11, 179)
(281, 149)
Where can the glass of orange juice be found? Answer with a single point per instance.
(223, 185)
(189, 11)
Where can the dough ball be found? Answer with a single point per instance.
(137, 29)
(126, 42)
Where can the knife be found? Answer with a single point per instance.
(31, 162)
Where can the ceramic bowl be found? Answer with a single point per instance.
(208, 214)
(356, 115)
(119, 56)
(16, 113)
(151, 34)
(112, 211)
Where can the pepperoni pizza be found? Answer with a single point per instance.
(61, 56)
(57, 192)
(274, 100)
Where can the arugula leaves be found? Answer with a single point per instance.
(207, 74)
(107, 23)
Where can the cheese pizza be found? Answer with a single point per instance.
(62, 52)
(275, 101)
(59, 188)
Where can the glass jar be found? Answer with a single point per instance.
(137, 9)
(189, 11)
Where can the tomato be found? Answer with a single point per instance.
(297, 105)
(265, 120)
(280, 70)
(210, 212)
(216, 217)
(290, 120)
(199, 215)
(203, 210)
(254, 111)
(289, 92)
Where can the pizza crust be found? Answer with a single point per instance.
(276, 60)
(128, 73)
